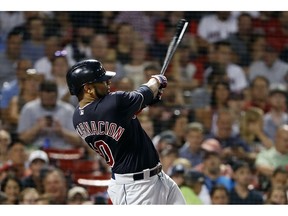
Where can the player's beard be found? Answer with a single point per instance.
(102, 90)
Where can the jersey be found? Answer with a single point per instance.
(110, 127)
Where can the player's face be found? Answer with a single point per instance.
(102, 88)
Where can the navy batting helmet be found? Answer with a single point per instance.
(86, 71)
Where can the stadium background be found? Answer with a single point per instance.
(209, 75)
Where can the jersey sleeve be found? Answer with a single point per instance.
(132, 102)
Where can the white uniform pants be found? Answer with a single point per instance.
(158, 189)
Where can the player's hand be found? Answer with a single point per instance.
(162, 80)
(158, 97)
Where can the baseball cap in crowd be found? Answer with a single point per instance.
(38, 154)
(169, 137)
(177, 169)
(77, 190)
(211, 145)
(193, 176)
(278, 88)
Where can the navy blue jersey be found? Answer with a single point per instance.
(110, 127)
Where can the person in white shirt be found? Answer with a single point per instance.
(226, 69)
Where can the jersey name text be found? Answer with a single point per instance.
(110, 129)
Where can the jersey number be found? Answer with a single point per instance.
(104, 151)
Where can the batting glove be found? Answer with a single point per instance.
(158, 97)
(161, 79)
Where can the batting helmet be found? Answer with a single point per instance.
(86, 71)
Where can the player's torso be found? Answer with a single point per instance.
(110, 131)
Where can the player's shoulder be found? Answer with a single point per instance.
(117, 94)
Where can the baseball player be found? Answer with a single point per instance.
(109, 125)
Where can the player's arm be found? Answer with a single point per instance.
(156, 87)
(147, 94)
(156, 83)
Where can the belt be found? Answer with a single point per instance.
(140, 175)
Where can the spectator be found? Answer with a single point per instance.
(233, 146)
(5, 140)
(24, 27)
(216, 27)
(160, 47)
(37, 161)
(125, 84)
(17, 157)
(3, 198)
(44, 64)
(268, 160)
(55, 186)
(213, 145)
(80, 48)
(224, 69)
(46, 122)
(134, 68)
(9, 57)
(178, 121)
(241, 193)
(143, 27)
(28, 92)
(167, 157)
(176, 172)
(236, 103)
(77, 195)
(164, 19)
(278, 37)
(271, 67)
(219, 195)
(277, 115)
(265, 23)
(164, 140)
(64, 26)
(45, 199)
(251, 131)
(186, 73)
(9, 20)
(240, 41)
(277, 196)
(111, 63)
(219, 95)
(192, 186)
(278, 179)
(191, 149)
(34, 47)
(13, 88)
(59, 69)
(259, 94)
(173, 120)
(11, 186)
(218, 100)
(99, 47)
(173, 97)
(28, 196)
(257, 48)
(212, 172)
(125, 36)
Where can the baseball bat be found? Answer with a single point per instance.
(179, 33)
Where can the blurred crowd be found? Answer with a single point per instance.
(221, 129)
